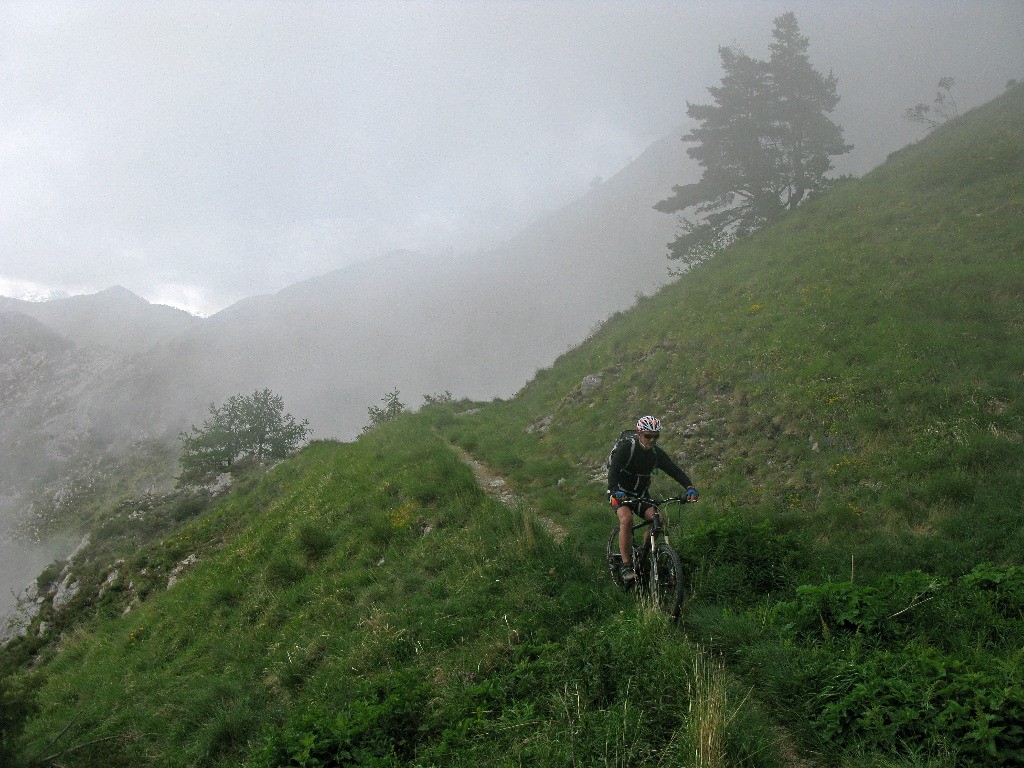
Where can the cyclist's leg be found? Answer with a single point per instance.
(648, 514)
(625, 515)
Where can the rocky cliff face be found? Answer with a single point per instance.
(46, 391)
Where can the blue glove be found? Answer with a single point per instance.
(619, 495)
(691, 494)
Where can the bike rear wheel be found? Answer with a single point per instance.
(613, 559)
(667, 581)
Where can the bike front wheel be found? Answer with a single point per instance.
(667, 581)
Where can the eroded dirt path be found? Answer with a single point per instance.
(494, 485)
(501, 490)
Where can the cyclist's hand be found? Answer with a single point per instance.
(620, 495)
(692, 495)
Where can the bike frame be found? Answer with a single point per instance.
(658, 532)
(656, 552)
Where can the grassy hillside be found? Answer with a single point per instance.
(844, 388)
(854, 369)
(369, 601)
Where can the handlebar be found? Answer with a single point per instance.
(659, 502)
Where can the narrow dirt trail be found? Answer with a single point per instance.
(501, 490)
(493, 484)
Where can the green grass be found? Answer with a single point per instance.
(351, 617)
(845, 390)
(859, 363)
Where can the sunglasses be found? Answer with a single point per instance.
(650, 435)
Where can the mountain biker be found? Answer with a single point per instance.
(630, 466)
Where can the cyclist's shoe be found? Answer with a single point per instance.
(628, 575)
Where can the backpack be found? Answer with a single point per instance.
(626, 434)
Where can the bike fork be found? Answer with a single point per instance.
(652, 564)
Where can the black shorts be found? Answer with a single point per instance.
(634, 506)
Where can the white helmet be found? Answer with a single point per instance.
(648, 424)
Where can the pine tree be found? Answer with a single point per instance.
(764, 145)
(393, 408)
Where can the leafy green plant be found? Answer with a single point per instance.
(884, 610)
(918, 696)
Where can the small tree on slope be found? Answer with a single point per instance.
(254, 427)
(393, 408)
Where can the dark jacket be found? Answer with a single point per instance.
(633, 474)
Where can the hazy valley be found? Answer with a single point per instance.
(86, 378)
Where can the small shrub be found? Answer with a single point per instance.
(16, 705)
(226, 594)
(740, 561)
(299, 664)
(229, 729)
(378, 727)
(884, 610)
(188, 507)
(983, 609)
(283, 571)
(49, 574)
(425, 492)
(314, 542)
(1004, 587)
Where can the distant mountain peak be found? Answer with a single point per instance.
(120, 293)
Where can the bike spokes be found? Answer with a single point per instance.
(660, 577)
(667, 581)
(613, 558)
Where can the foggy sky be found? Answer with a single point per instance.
(200, 152)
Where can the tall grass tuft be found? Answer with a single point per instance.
(706, 719)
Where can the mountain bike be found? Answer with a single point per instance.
(660, 574)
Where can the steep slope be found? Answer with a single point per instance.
(318, 619)
(857, 365)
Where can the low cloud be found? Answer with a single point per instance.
(240, 147)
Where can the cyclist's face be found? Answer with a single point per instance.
(648, 439)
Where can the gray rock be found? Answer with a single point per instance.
(590, 383)
(66, 591)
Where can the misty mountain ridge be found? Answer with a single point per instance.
(478, 325)
(114, 318)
